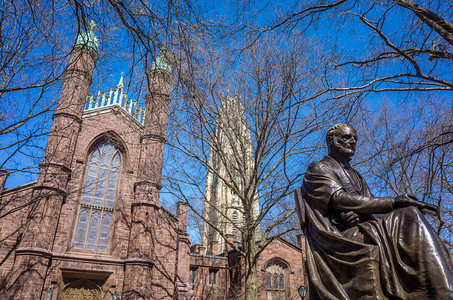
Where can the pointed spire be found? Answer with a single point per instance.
(88, 38)
(161, 63)
(120, 83)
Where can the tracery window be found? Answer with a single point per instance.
(276, 271)
(98, 198)
(269, 281)
(275, 281)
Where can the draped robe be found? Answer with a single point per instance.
(395, 256)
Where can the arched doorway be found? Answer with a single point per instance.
(82, 289)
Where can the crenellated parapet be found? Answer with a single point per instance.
(116, 97)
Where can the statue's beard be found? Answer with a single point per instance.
(342, 150)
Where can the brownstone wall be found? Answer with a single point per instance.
(230, 283)
(107, 269)
(289, 254)
(14, 208)
(148, 251)
(96, 127)
(203, 264)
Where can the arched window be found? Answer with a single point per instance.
(276, 271)
(98, 198)
(269, 281)
(275, 281)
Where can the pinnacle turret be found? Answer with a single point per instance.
(161, 63)
(88, 38)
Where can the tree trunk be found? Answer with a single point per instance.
(251, 287)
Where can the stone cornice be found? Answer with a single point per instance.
(67, 115)
(60, 166)
(88, 259)
(34, 252)
(139, 262)
(153, 136)
(146, 182)
(45, 187)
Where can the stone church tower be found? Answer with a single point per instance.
(231, 164)
(217, 271)
(92, 224)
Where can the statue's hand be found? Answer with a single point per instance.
(405, 200)
(349, 219)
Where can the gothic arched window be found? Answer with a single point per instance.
(269, 281)
(275, 281)
(98, 198)
(277, 288)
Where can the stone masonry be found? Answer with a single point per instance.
(147, 255)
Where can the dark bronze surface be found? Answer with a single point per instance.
(353, 255)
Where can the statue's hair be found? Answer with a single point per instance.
(332, 129)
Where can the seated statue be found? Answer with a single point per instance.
(352, 254)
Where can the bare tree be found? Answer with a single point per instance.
(30, 69)
(400, 50)
(381, 45)
(289, 92)
(411, 151)
(283, 121)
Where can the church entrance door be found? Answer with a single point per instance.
(81, 290)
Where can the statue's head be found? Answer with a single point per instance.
(341, 141)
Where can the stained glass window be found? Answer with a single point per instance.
(98, 198)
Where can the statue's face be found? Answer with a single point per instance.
(344, 141)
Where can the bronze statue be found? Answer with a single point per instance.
(353, 255)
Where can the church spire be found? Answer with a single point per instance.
(88, 38)
(120, 83)
(161, 63)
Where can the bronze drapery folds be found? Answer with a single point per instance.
(353, 255)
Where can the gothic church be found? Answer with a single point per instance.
(92, 227)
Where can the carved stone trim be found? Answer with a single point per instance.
(155, 137)
(139, 262)
(34, 251)
(57, 190)
(67, 115)
(85, 49)
(149, 204)
(62, 167)
(145, 182)
(86, 74)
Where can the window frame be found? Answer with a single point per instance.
(193, 275)
(116, 149)
(277, 276)
(268, 280)
(212, 278)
